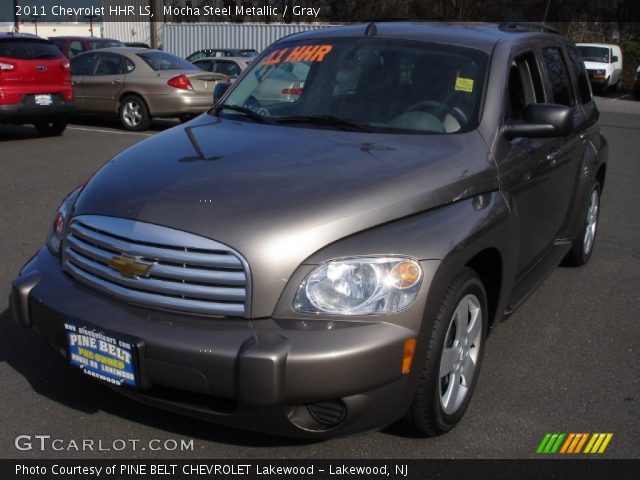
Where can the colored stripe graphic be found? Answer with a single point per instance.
(598, 442)
(550, 443)
(573, 443)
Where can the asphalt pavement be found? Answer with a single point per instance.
(567, 361)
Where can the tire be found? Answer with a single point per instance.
(134, 114)
(583, 245)
(436, 407)
(52, 128)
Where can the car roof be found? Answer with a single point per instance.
(481, 36)
(605, 45)
(22, 36)
(80, 37)
(132, 50)
(235, 59)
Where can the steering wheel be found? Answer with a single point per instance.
(440, 110)
(252, 103)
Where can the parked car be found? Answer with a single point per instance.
(221, 53)
(232, 67)
(604, 65)
(136, 44)
(140, 84)
(329, 265)
(636, 86)
(72, 46)
(35, 83)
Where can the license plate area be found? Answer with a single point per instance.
(43, 100)
(107, 356)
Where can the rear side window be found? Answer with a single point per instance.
(577, 65)
(227, 68)
(165, 61)
(110, 64)
(29, 50)
(83, 64)
(558, 76)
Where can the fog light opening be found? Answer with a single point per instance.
(318, 416)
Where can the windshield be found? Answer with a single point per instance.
(166, 61)
(594, 54)
(371, 84)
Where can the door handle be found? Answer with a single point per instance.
(115, 82)
(553, 156)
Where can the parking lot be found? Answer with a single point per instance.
(567, 361)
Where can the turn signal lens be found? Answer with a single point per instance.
(405, 274)
(407, 358)
(5, 67)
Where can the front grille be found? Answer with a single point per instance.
(187, 272)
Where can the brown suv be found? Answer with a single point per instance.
(330, 263)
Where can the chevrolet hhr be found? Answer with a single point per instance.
(329, 258)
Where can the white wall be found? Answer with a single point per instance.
(61, 29)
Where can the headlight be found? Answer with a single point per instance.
(360, 286)
(60, 223)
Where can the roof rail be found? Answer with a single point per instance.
(528, 27)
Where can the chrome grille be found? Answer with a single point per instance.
(186, 272)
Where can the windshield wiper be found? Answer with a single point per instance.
(329, 120)
(247, 111)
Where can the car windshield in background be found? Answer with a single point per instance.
(166, 61)
(96, 44)
(594, 54)
(29, 49)
(246, 53)
(366, 84)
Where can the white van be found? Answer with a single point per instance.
(603, 63)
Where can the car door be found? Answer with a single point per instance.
(102, 88)
(529, 168)
(81, 68)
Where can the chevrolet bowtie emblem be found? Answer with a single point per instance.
(130, 267)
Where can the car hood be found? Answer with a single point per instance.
(278, 194)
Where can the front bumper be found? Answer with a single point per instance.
(256, 374)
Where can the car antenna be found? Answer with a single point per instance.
(371, 30)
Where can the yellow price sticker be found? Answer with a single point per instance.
(464, 84)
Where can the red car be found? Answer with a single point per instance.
(72, 46)
(35, 83)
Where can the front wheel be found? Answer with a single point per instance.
(134, 114)
(454, 357)
(582, 248)
(51, 128)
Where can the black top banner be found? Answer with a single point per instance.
(331, 11)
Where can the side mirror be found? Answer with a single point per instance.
(614, 59)
(219, 90)
(542, 120)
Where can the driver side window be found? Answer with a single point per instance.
(525, 86)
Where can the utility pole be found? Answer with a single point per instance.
(16, 22)
(153, 31)
(91, 17)
(35, 22)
